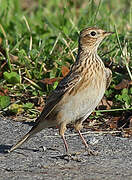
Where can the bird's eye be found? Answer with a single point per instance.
(93, 33)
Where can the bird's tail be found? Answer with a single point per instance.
(35, 129)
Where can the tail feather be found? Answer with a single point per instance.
(26, 137)
(19, 143)
(35, 129)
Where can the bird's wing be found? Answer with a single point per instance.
(65, 85)
(108, 77)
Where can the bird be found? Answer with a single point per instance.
(78, 93)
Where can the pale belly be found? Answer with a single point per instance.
(81, 105)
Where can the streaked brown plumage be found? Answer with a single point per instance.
(78, 94)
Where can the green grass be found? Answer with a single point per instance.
(43, 37)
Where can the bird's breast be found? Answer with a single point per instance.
(82, 99)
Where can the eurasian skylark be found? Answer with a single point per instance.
(78, 94)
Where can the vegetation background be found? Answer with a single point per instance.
(38, 43)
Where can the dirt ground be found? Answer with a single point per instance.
(42, 156)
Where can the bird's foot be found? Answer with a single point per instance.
(73, 156)
(70, 156)
(91, 152)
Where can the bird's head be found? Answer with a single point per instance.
(90, 38)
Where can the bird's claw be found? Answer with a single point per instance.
(70, 156)
(73, 156)
(91, 152)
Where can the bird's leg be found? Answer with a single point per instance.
(70, 156)
(62, 130)
(90, 151)
(78, 127)
(84, 141)
(65, 143)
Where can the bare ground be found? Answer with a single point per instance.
(31, 161)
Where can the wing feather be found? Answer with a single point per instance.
(65, 85)
(108, 77)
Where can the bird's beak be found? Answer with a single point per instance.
(108, 33)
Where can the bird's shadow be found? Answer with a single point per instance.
(29, 123)
(4, 148)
